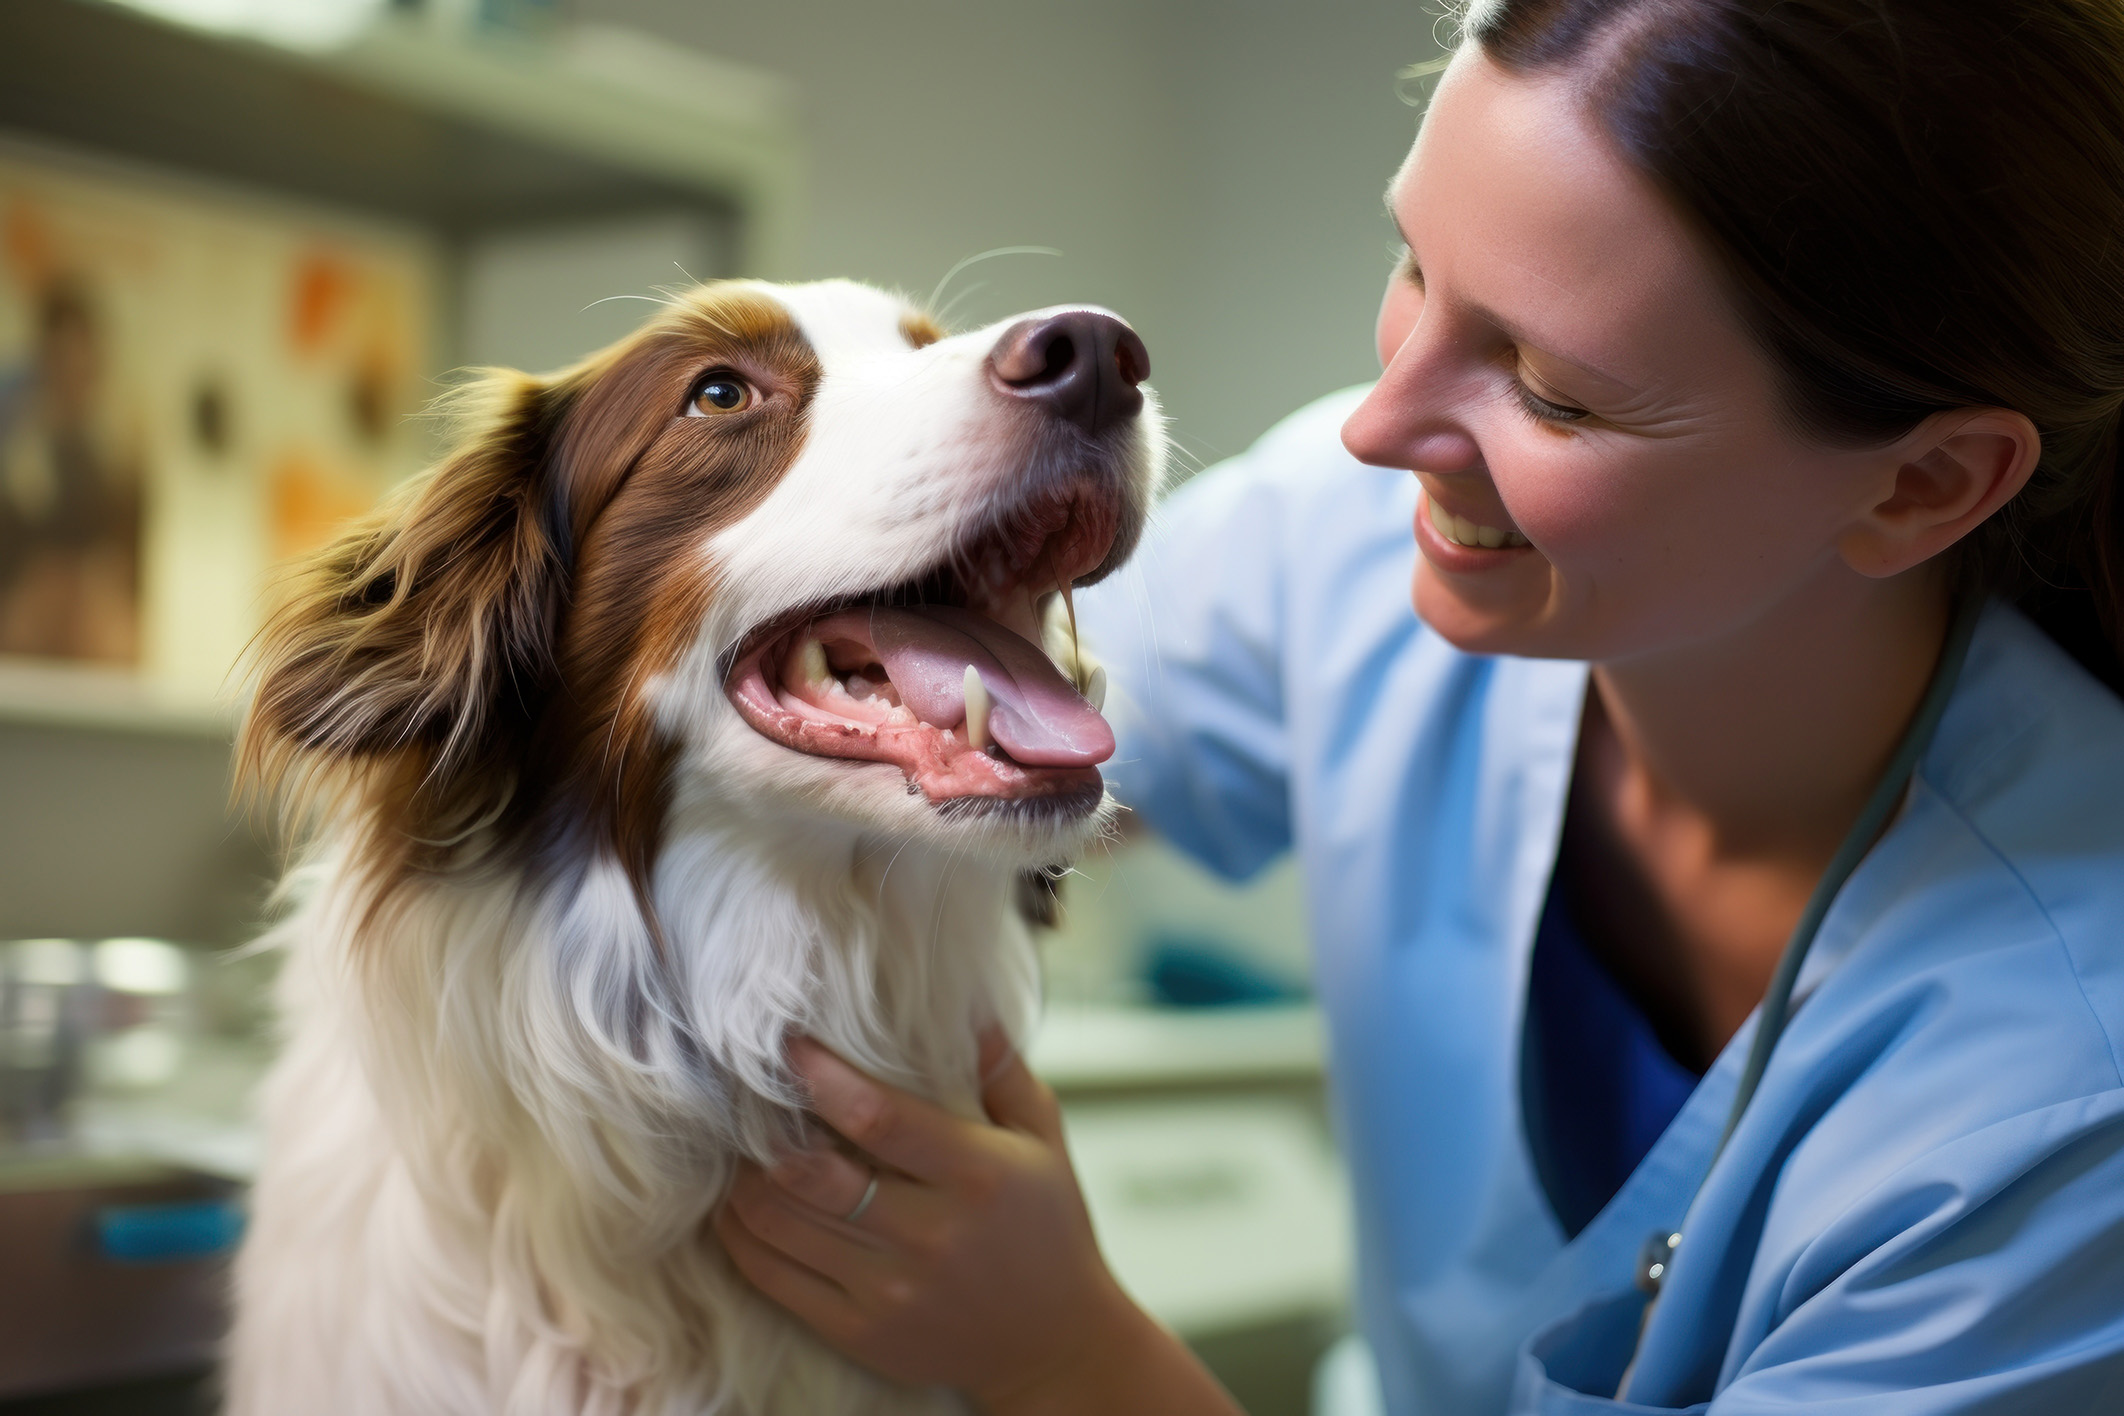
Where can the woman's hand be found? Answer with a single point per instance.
(972, 1265)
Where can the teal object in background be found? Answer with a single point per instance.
(1200, 973)
(169, 1233)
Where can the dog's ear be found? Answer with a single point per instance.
(421, 643)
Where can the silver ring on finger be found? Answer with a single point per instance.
(870, 1192)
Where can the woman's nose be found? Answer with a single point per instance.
(1396, 427)
(1414, 417)
(1082, 365)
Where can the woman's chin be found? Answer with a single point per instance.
(1492, 618)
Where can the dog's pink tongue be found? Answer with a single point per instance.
(1038, 717)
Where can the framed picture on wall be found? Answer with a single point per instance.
(196, 385)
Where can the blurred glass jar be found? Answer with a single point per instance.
(111, 1015)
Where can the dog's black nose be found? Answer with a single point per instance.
(1082, 364)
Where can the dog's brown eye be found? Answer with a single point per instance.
(719, 394)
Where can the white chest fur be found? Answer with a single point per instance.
(505, 1110)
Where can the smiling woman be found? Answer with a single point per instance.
(1742, 347)
(1571, 386)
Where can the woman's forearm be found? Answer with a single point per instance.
(1131, 1367)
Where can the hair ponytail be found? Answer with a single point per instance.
(2081, 605)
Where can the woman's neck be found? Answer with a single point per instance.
(1774, 736)
(1714, 783)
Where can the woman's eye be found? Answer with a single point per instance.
(1545, 411)
(719, 394)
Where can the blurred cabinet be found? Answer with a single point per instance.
(1202, 1143)
(111, 1276)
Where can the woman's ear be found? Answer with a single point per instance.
(1945, 479)
(425, 636)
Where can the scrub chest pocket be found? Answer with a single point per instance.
(1564, 1367)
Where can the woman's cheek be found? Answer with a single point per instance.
(1559, 500)
(1645, 550)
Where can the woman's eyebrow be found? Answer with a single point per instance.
(1413, 269)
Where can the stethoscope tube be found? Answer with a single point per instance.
(1657, 1256)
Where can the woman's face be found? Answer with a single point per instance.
(1569, 381)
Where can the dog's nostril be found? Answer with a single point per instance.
(1082, 365)
(1060, 355)
(1125, 363)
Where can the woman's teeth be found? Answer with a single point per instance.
(1463, 532)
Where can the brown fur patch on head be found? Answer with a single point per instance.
(464, 672)
(641, 586)
(919, 330)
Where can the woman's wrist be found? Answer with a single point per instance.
(1122, 1362)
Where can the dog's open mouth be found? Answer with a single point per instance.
(944, 677)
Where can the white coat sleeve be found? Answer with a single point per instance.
(1191, 632)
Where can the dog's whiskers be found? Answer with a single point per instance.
(987, 255)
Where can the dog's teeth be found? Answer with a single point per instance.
(1095, 690)
(977, 705)
(811, 664)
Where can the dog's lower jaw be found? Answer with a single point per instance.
(505, 1114)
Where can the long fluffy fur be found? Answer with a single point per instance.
(493, 1148)
(562, 908)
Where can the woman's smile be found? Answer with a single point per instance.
(1468, 533)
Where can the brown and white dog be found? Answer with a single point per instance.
(695, 699)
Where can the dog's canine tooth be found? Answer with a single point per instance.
(1095, 689)
(977, 706)
(811, 663)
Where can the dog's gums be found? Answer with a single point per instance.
(945, 679)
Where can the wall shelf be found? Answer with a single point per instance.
(52, 694)
(461, 132)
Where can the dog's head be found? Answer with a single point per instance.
(794, 543)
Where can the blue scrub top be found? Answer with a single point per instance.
(1923, 1210)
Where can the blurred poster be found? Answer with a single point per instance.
(69, 477)
(194, 385)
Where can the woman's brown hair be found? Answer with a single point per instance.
(1920, 207)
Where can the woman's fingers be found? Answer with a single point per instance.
(1012, 1096)
(825, 1179)
(901, 1129)
(973, 1266)
(827, 1246)
(818, 1300)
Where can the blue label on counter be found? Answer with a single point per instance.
(149, 1234)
